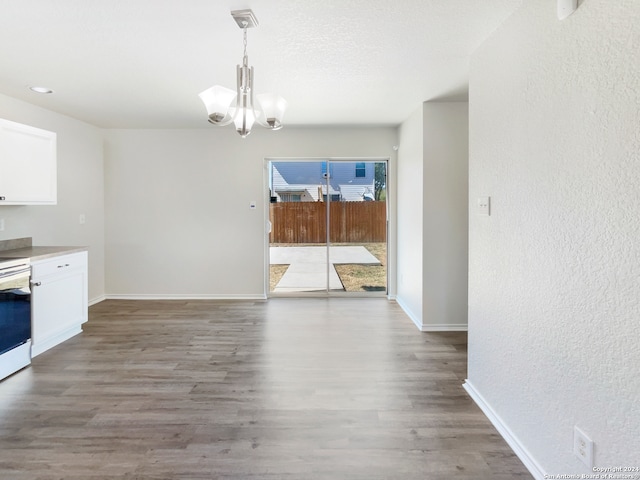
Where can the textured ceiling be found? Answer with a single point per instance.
(142, 63)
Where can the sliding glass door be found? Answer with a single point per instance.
(328, 222)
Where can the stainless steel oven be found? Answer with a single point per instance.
(15, 315)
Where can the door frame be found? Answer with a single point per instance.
(390, 260)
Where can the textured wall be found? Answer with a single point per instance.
(446, 220)
(432, 216)
(554, 276)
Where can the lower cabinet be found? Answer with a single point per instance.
(58, 300)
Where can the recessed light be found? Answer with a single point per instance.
(41, 89)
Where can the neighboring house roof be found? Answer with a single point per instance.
(309, 175)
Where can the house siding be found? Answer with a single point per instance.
(306, 177)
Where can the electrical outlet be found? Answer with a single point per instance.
(583, 447)
(1, 224)
(82, 219)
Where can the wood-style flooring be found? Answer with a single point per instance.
(312, 388)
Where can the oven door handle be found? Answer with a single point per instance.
(11, 275)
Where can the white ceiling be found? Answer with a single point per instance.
(142, 63)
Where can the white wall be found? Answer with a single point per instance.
(80, 190)
(555, 270)
(409, 216)
(432, 216)
(445, 225)
(178, 219)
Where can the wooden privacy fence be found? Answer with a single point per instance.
(350, 222)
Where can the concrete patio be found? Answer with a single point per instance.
(307, 270)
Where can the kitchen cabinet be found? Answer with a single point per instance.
(58, 300)
(28, 168)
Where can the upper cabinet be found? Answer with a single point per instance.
(28, 174)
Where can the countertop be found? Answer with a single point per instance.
(40, 253)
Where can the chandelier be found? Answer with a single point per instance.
(269, 109)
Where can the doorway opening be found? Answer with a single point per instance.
(328, 226)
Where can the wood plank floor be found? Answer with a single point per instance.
(338, 388)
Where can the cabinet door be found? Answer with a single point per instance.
(28, 172)
(58, 301)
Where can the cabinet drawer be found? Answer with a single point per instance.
(58, 265)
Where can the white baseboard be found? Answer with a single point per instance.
(438, 327)
(66, 334)
(180, 296)
(407, 310)
(97, 299)
(445, 327)
(523, 454)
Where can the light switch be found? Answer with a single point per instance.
(484, 206)
(252, 205)
(1, 224)
(566, 8)
(82, 219)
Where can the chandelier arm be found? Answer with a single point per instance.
(240, 122)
